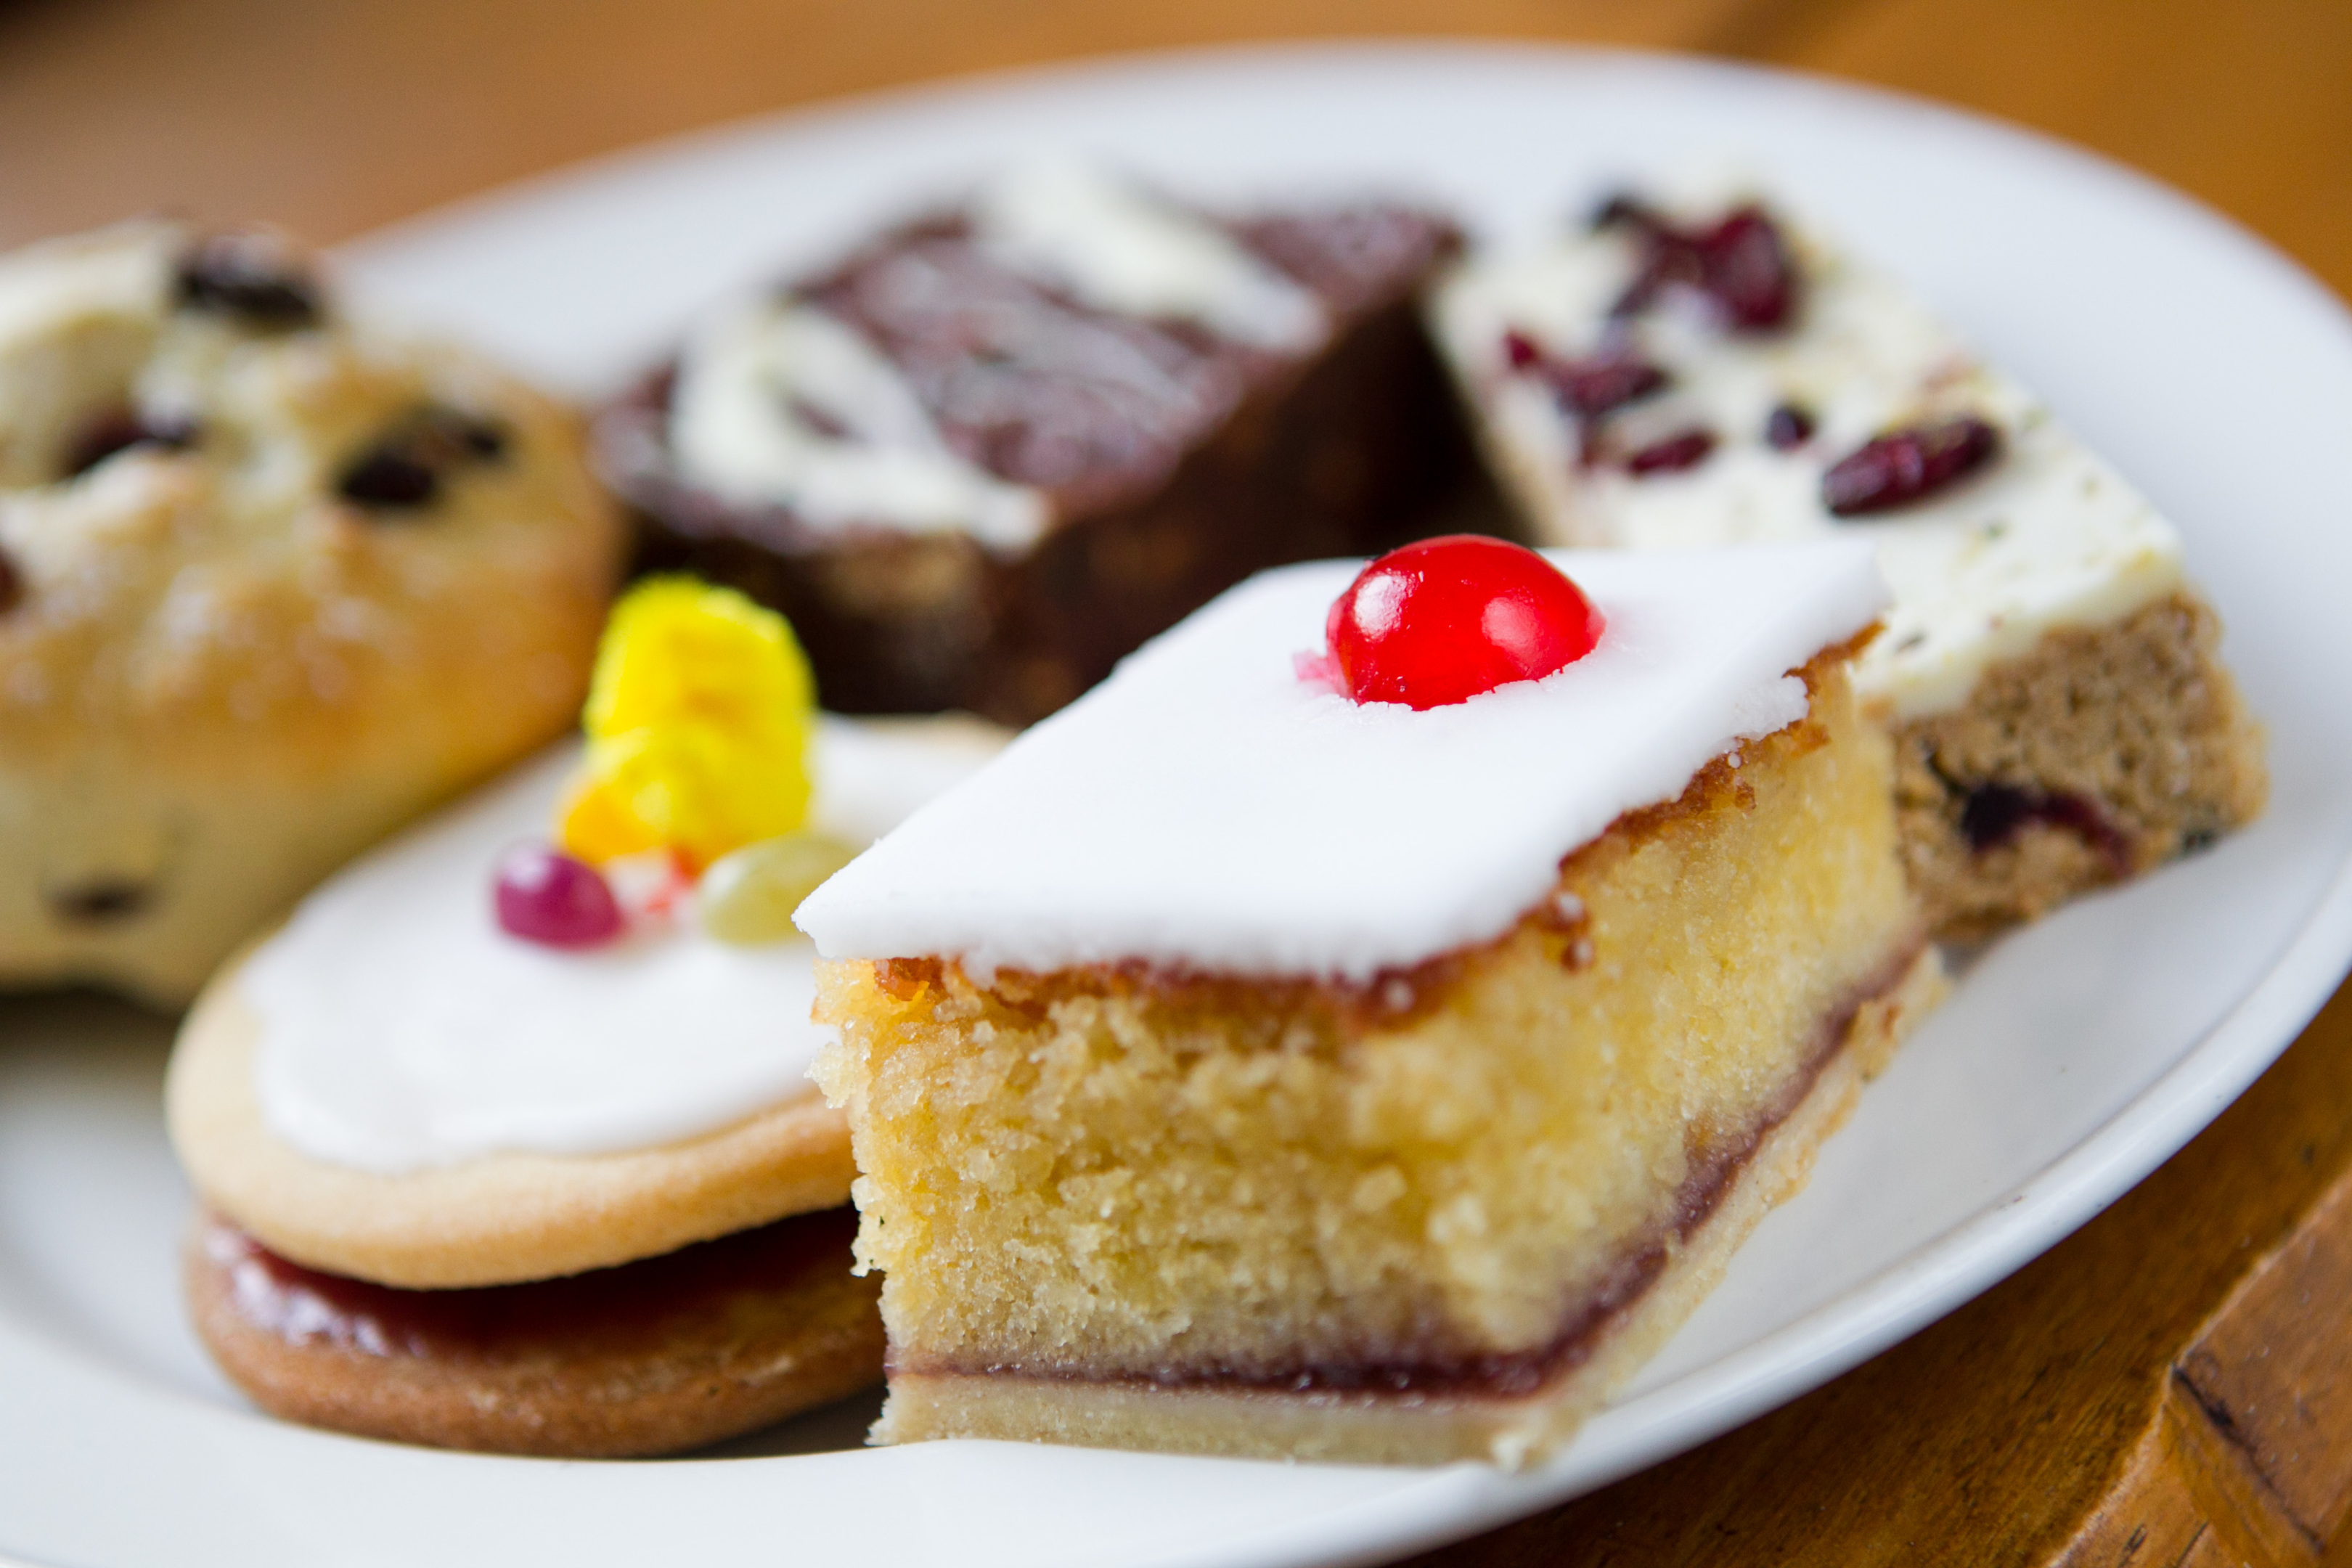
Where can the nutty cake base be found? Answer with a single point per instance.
(653, 1357)
(2103, 753)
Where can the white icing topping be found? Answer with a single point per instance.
(2048, 536)
(400, 1028)
(123, 271)
(741, 426)
(1205, 807)
(1115, 248)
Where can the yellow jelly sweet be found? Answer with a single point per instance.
(699, 719)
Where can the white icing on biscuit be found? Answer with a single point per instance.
(400, 1028)
(1119, 248)
(2048, 536)
(1205, 807)
(741, 426)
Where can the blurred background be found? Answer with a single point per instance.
(332, 117)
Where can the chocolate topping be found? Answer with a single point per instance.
(1025, 381)
(1350, 257)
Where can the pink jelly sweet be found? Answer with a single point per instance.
(547, 897)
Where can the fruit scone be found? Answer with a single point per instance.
(508, 1145)
(1372, 1054)
(1706, 372)
(991, 449)
(270, 584)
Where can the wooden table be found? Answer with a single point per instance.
(2173, 1384)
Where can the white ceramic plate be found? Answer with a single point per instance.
(2074, 1058)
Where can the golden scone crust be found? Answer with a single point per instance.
(493, 1221)
(228, 659)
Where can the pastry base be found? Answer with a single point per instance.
(1370, 1427)
(2134, 728)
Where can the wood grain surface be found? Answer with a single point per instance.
(2172, 1385)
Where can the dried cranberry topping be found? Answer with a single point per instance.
(256, 277)
(1906, 466)
(1590, 388)
(1519, 351)
(120, 430)
(544, 896)
(1440, 621)
(404, 470)
(1745, 270)
(1741, 264)
(1788, 426)
(1684, 449)
(1995, 814)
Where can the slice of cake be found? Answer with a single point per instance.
(1238, 1067)
(1710, 374)
(992, 450)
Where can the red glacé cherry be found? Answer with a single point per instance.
(1448, 618)
(547, 897)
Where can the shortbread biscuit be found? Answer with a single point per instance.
(270, 584)
(653, 1357)
(497, 1220)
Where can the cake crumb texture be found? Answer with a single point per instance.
(2103, 753)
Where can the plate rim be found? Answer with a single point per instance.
(1938, 1275)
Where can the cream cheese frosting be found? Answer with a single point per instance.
(1206, 808)
(402, 1029)
(2048, 536)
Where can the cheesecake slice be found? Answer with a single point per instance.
(1708, 372)
(1238, 1067)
